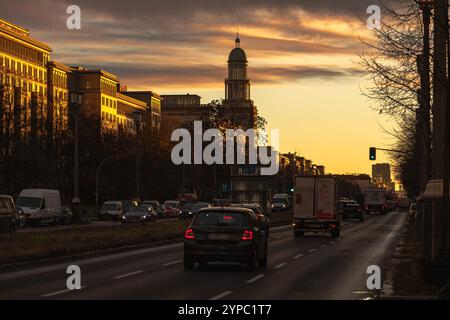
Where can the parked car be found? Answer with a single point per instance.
(66, 215)
(11, 218)
(258, 211)
(225, 234)
(139, 214)
(280, 201)
(111, 210)
(127, 204)
(155, 205)
(171, 208)
(353, 211)
(40, 205)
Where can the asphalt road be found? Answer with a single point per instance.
(311, 267)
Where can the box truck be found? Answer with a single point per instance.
(376, 201)
(315, 205)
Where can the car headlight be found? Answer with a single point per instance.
(273, 206)
(143, 217)
(283, 205)
(124, 218)
(190, 212)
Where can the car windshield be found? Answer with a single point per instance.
(28, 202)
(109, 206)
(170, 204)
(279, 200)
(199, 206)
(212, 218)
(138, 209)
(188, 206)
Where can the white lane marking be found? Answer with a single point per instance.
(128, 274)
(51, 294)
(254, 279)
(332, 242)
(171, 263)
(312, 250)
(221, 295)
(298, 256)
(324, 246)
(84, 262)
(281, 265)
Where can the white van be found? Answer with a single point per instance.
(40, 205)
(280, 201)
(112, 210)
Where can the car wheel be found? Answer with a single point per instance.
(299, 233)
(252, 263)
(336, 233)
(188, 264)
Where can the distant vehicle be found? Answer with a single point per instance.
(66, 215)
(342, 204)
(315, 206)
(11, 218)
(221, 202)
(186, 211)
(40, 205)
(375, 199)
(258, 211)
(111, 210)
(353, 211)
(413, 210)
(171, 208)
(360, 199)
(280, 201)
(139, 214)
(154, 204)
(127, 204)
(225, 234)
(403, 203)
(187, 197)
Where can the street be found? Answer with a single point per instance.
(311, 267)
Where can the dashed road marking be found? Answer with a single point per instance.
(51, 294)
(221, 295)
(172, 263)
(298, 256)
(128, 274)
(332, 242)
(254, 279)
(324, 246)
(281, 265)
(312, 250)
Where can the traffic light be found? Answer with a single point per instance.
(372, 153)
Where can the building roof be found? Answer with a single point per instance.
(22, 34)
(237, 55)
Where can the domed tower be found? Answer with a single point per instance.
(237, 85)
(237, 106)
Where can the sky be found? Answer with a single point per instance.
(303, 61)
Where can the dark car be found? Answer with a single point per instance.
(225, 234)
(353, 211)
(186, 210)
(155, 205)
(11, 218)
(127, 204)
(139, 214)
(257, 209)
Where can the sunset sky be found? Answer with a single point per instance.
(302, 60)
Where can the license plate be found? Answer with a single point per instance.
(218, 236)
(314, 225)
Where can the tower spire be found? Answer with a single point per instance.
(238, 41)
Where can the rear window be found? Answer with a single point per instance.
(279, 200)
(221, 219)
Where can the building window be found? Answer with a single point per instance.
(103, 100)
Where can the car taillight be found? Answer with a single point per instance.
(333, 226)
(247, 235)
(189, 234)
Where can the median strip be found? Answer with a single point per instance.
(254, 279)
(128, 274)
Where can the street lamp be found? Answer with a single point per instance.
(76, 99)
(137, 116)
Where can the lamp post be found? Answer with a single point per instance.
(76, 99)
(137, 115)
